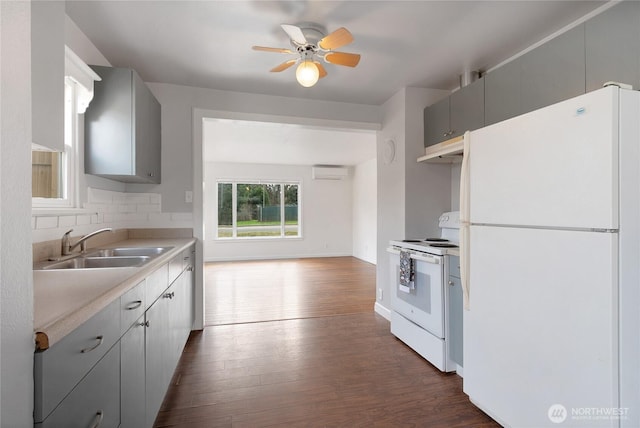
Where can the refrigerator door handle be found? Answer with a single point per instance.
(464, 220)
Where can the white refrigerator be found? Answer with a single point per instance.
(550, 223)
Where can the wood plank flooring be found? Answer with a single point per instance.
(255, 291)
(317, 370)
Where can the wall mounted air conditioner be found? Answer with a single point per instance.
(329, 172)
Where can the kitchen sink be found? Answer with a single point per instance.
(129, 252)
(87, 262)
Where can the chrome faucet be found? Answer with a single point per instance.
(67, 247)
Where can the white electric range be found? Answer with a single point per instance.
(419, 309)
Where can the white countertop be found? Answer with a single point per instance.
(65, 299)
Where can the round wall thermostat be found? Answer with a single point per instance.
(388, 151)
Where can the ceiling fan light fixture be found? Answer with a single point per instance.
(307, 73)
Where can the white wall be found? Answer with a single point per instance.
(364, 206)
(16, 279)
(178, 103)
(326, 215)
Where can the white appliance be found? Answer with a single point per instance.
(551, 210)
(419, 313)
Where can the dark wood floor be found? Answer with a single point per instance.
(332, 370)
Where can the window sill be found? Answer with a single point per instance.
(54, 212)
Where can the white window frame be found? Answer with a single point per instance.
(69, 158)
(234, 210)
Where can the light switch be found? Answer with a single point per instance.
(188, 196)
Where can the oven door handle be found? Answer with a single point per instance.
(422, 257)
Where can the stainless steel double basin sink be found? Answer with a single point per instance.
(107, 258)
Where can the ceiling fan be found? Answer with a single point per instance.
(311, 44)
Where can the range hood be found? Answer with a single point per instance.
(449, 151)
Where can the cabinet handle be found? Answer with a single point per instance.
(97, 420)
(451, 283)
(144, 324)
(186, 258)
(150, 174)
(190, 268)
(134, 305)
(445, 134)
(99, 339)
(170, 295)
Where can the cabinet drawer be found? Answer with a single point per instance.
(454, 266)
(58, 369)
(96, 398)
(155, 284)
(132, 306)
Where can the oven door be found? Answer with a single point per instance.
(424, 304)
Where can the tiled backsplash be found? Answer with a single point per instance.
(106, 208)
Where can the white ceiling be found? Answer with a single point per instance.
(275, 143)
(403, 44)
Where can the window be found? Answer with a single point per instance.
(53, 173)
(258, 210)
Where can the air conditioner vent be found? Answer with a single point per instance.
(329, 172)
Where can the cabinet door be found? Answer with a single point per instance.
(502, 92)
(156, 343)
(96, 398)
(613, 46)
(147, 132)
(436, 122)
(467, 108)
(132, 376)
(455, 307)
(554, 71)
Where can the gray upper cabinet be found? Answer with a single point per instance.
(613, 46)
(462, 111)
(436, 122)
(554, 71)
(550, 73)
(47, 73)
(466, 107)
(122, 128)
(502, 92)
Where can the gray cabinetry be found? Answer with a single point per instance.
(463, 110)
(122, 128)
(132, 376)
(455, 309)
(156, 345)
(59, 369)
(613, 46)
(554, 71)
(502, 92)
(95, 401)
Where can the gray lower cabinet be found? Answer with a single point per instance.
(117, 366)
(132, 376)
(613, 46)
(455, 311)
(95, 401)
(122, 128)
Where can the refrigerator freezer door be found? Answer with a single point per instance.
(542, 326)
(553, 167)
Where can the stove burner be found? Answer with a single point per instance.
(436, 240)
(443, 245)
(411, 240)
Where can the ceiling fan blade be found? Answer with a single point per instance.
(284, 65)
(295, 33)
(338, 38)
(342, 58)
(267, 49)
(321, 69)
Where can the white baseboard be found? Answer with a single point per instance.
(381, 310)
